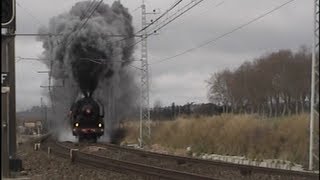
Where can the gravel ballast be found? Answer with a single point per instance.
(37, 165)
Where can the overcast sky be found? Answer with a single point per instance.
(181, 79)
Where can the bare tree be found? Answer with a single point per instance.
(275, 84)
(219, 89)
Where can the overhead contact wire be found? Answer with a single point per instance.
(225, 34)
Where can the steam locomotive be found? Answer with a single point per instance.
(86, 117)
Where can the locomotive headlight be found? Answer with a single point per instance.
(76, 124)
(99, 125)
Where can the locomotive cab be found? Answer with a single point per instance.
(87, 119)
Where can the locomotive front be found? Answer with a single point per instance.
(86, 119)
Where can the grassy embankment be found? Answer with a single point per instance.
(252, 136)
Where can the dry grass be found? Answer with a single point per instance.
(249, 135)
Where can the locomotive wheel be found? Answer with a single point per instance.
(94, 139)
(80, 139)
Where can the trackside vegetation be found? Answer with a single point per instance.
(252, 136)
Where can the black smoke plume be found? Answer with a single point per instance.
(87, 59)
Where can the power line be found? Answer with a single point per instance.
(98, 61)
(136, 9)
(177, 16)
(134, 44)
(28, 12)
(74, 29)
(92, 59)
(136, 34)
(172, 7)
(225, 34)
(84, 24)
(87, 9)
(68, 42)
(182, 14)
(28, 59)
(154, 31)
(143, 28)
(216, 5)
(173, 16)
(101, 59)
(50, 34)
(84, 15)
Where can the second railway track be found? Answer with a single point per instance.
(163, 166)
(146, 170)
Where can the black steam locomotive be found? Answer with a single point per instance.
(86, 117)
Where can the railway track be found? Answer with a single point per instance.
(243, 170)
(128, 164)
(60, 149)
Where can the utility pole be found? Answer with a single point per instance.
(5, 93)
(8, 91)
(145, 122)
(49, 124)
(12, 97)
(314, 112)
(113, 100)
(52, 44)
(111, 106)
(44, 111)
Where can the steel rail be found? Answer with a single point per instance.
(99, 161)
(241, 167)
(119, 165)
(102, 162)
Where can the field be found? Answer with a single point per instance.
(255, 137)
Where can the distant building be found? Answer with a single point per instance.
(32, 126)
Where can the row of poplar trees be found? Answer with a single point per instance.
(274, 84)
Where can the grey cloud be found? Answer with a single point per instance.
(289, 27)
